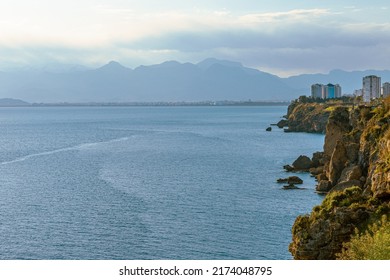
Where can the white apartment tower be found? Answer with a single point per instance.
(371, 88)
(317, 91)
(337, 89)
(386, 89)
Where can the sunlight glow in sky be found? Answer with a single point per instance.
(281, 37)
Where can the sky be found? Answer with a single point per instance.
(281, 37)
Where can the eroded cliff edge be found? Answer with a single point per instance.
(354, 170)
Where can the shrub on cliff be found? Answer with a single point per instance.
(320, 235)
(373, 244)
(350, 197)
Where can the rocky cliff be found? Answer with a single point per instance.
(355, 171)
(307, 117)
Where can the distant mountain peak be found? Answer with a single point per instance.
(166, 64)
(113, 65)
(336, 72)
(208, 62)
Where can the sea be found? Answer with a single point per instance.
(102, 183)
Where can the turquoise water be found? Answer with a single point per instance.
(148, 183)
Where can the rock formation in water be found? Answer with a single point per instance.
(354, 169)
(291, 180)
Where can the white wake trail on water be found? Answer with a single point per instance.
(67, 149)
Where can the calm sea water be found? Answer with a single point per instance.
(148, 183)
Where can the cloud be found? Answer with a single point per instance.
(298, 35)
(285, 42)
(277, 17)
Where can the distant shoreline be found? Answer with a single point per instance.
(152, 104)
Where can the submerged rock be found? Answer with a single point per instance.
(288, 168)
(290, 187)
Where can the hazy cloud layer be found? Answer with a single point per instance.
(315, 37)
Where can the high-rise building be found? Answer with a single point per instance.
(325, 91)
(317, 91)
(371, 88)
(330, 91)
(386, 89)
(337, 88)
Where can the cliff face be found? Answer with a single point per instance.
(356, 173)
(306, 117)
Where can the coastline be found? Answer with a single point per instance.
(351, 170)
(10, 102)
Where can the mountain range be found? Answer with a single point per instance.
(171, 81)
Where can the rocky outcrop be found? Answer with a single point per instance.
(306, 117)
(341, 150)
(336, 127)
(345, 185)
(318, 159)
(337, 163)
(323, 186)
(354, 169)
(291, 180)
(302, 163)
(282, 123)
(350, 173)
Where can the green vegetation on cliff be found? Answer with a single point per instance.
(355, 172)
(321, 234)
(373, 244)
